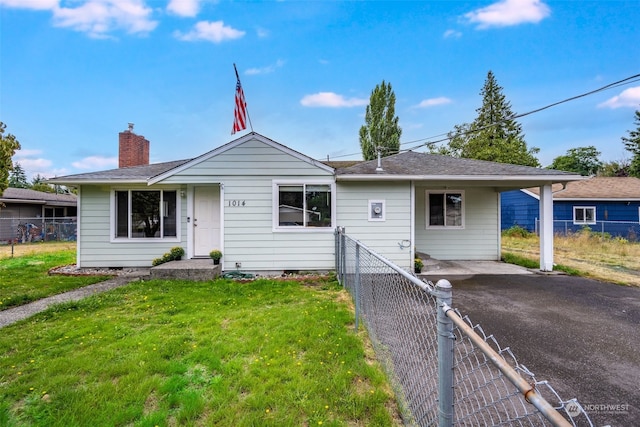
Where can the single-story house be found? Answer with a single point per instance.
(21, 206)
(269, 208)
(609, 204)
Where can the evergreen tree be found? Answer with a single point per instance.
(8, 146)
(632, 144)
(17, 177)
(38, 183)
(381, 130)
(494, 135)
(582, 160)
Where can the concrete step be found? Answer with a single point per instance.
(189, 269)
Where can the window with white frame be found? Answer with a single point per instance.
(301, 205)
(584, 215)
(445, 209)
(145, 214)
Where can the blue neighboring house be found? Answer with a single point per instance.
(608, 204)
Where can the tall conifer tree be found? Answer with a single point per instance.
(494, 135)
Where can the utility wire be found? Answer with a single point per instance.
(430, 141)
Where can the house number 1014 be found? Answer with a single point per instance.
(236, 203)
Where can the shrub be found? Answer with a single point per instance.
(174, 253)
(517, 231)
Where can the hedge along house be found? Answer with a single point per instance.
(269, 208)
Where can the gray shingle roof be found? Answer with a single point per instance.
(15, 194)
(411, 163)
(134, 173)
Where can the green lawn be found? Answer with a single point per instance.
(24, 279)
(162, 353)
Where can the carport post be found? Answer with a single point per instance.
(445, 355)
(546, 228)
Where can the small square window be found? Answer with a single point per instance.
(584, 215)
(376, 210)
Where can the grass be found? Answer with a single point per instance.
(194, 353)
(585, 253)
(25, 278)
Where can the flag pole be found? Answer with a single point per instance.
(246, 109)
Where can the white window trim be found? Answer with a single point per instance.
(275, 197)
(383, 214)
(112, 218)
(575, 222)
(445, 227)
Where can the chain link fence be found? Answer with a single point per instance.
(443, 368)
(27, 230)
(629, 230)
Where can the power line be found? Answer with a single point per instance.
(429, 140)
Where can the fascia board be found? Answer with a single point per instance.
(76, 182)
(597, 199)
(460, 178)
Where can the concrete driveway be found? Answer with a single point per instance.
(581, 335)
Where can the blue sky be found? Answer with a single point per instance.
(74, 73)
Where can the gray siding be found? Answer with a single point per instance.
(97, 249)
(381, 236)
(247, 173)
(479, 240)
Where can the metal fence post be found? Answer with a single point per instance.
(445, 355)
(357, 286)
(336, 242)
(343, 255)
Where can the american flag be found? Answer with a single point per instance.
(240, 113)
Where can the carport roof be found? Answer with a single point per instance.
(423, 166)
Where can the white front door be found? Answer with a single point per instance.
(206, 220)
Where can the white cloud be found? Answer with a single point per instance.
(99, 17)
(330, 99)
(34, 165)
(452, 34)
(628, 98)
(210, 31)
(263, 32)
(188, 8)
(433, 102)
(506, 13)
(265, 70)
(96, 162)
(31, 4)
(26, 153)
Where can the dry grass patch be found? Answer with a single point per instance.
(592, 254)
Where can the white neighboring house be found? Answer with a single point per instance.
(271, 208)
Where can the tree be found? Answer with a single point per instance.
(8, 146)
(381, 130)
(38, 183)
(17, 177)
(632, 144)
(494, 135)
(614, 168)
(582, 160)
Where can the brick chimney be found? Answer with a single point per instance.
(133, 149)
